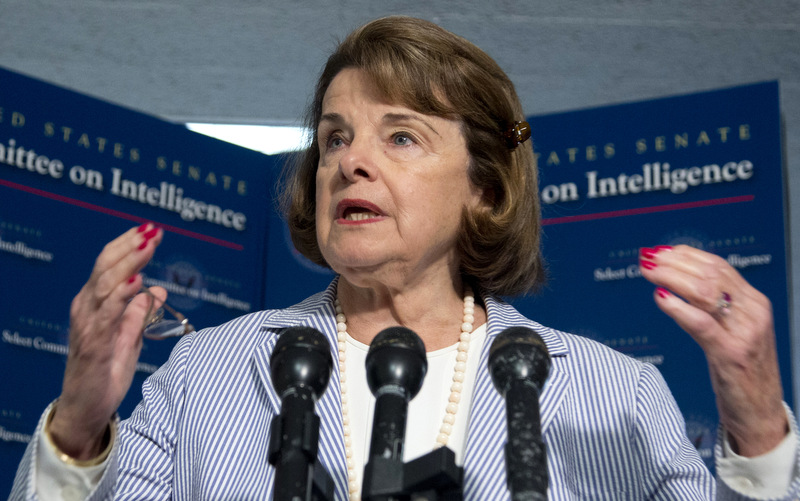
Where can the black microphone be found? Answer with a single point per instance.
(300, 367)
(396, 365)
(519, 364)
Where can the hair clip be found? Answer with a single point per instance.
(517, 134)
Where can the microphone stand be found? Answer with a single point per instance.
(526, 455)
(293, 445)
(432, 477)
(519, 364)
(396, 367)
(300, 367)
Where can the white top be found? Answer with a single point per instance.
(422, 426)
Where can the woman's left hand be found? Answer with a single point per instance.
(732, 323)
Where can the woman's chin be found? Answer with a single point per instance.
(356, 265)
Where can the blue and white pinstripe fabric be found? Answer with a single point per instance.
(611, 426)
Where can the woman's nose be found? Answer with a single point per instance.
(359, 161)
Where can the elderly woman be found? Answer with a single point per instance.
(420, 193)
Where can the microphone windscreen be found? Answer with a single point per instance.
(396, 359)
(518, 354)
(302, 357)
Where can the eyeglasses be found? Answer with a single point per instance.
(158, 327)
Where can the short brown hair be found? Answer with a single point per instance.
(426, 68)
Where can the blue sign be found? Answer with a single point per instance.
(75, 172)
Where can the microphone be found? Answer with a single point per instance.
(519, 364)
(396, 366)
(300, 367)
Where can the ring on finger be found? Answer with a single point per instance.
(724, 303)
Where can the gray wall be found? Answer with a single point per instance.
(248, 61)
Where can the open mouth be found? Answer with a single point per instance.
(357, 210)
(358, 214)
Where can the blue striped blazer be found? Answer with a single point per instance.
(612, 428)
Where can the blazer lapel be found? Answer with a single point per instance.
(261, 360)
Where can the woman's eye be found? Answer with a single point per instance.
(402, 139)
(334, 142)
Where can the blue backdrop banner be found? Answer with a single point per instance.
(74, 173)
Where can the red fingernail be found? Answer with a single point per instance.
(150, 234)
(660, 248)
(132, 279)
(649, 265)
(142, 228)
(662, 292)
(647, 252)
(143, 244)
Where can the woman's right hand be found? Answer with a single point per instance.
(105, 339)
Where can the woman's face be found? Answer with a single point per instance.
(391, 183)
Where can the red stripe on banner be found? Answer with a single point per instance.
(648, 210)
(122, 215)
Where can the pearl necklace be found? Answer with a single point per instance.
(455, 389)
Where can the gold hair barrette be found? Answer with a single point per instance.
(517, 134)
